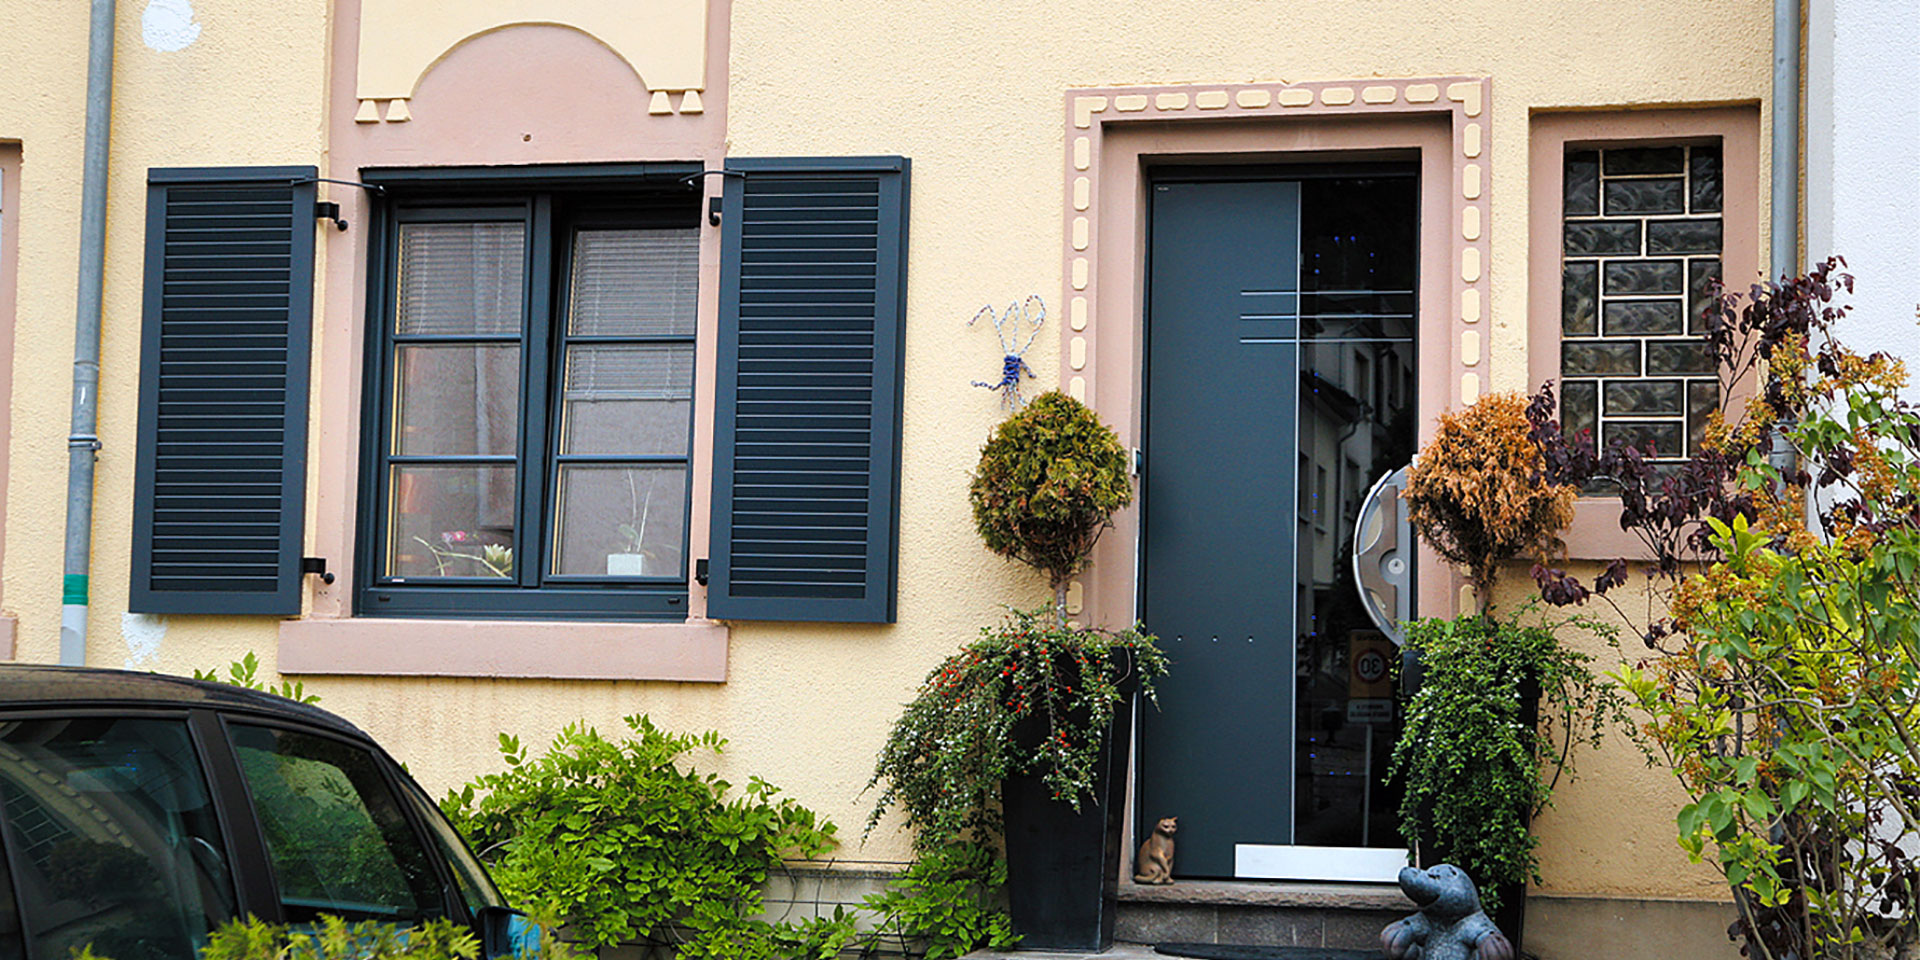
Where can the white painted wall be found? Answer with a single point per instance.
(1863, 164)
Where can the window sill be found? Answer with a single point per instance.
(1595, 533)
(692, 651)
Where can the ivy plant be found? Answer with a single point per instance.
(1472, 770)
(947, 903)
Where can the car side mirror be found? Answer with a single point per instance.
(506, 932)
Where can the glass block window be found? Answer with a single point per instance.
(1640, 250)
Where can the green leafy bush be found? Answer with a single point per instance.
(244, 673)
(1780, 674)
(618, 839)
(948, 902)
(336, 939)
(1473, 772)
(1049, 478)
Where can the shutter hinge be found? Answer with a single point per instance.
(329, 210)
(316, 565)
(700, 571)
(1139, 461)
(713, 203)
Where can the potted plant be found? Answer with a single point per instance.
(1014, 735)
(1473, 749)
(634, 559)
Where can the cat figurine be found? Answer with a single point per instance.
(1155, 863)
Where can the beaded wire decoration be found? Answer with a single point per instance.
(1006, 326)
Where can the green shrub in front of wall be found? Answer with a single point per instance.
(1473, 772)
(625, 843)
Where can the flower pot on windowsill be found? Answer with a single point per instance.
(638, 565)
(1063, 867)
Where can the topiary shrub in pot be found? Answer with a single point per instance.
(1049, 481)
(1012, 739)
(1473, 752)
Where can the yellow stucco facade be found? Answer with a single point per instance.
(976, 94)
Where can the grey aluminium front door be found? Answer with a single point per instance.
(1279, 386)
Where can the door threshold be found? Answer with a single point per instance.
(1271, 893)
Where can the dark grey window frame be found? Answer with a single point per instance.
(553, 198)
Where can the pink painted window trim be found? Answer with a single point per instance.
(465, 131)
(1595, 533)
(693, 651)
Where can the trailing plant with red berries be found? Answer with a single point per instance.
(943, 762)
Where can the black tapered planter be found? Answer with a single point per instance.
(1063, 867)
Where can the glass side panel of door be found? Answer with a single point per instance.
(336, 835)
(1358, 277)
(112, 838)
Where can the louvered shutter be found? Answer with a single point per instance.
(807, 425)
(219, 489)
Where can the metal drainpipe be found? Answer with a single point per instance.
(1786, 138)
(1784, 248)
(81, 441)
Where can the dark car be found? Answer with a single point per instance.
(140, 811)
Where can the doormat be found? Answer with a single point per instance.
(1237, 951)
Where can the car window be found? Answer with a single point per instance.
(476, 888)
(334, 831)
(112, 836)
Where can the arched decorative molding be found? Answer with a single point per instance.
(664, 41)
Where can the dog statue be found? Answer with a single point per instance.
(1450, 924)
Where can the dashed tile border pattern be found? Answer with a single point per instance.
(1465, 99)
(660, 104)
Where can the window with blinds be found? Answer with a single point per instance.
(535, 410)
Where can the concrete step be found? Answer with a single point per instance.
(1332, 915)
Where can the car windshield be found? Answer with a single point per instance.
(114, 838)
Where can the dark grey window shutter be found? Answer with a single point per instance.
(806, 479)
(220, 471)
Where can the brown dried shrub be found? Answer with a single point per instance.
(1476, 494)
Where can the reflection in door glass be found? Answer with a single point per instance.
(1358, 277)
(113, 837)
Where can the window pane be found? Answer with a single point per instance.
(338, 840)
(457, 399)
(452, 521)
(115, 837)
(635, 282)
(621, 521)
(628, 398)
(461, 278)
